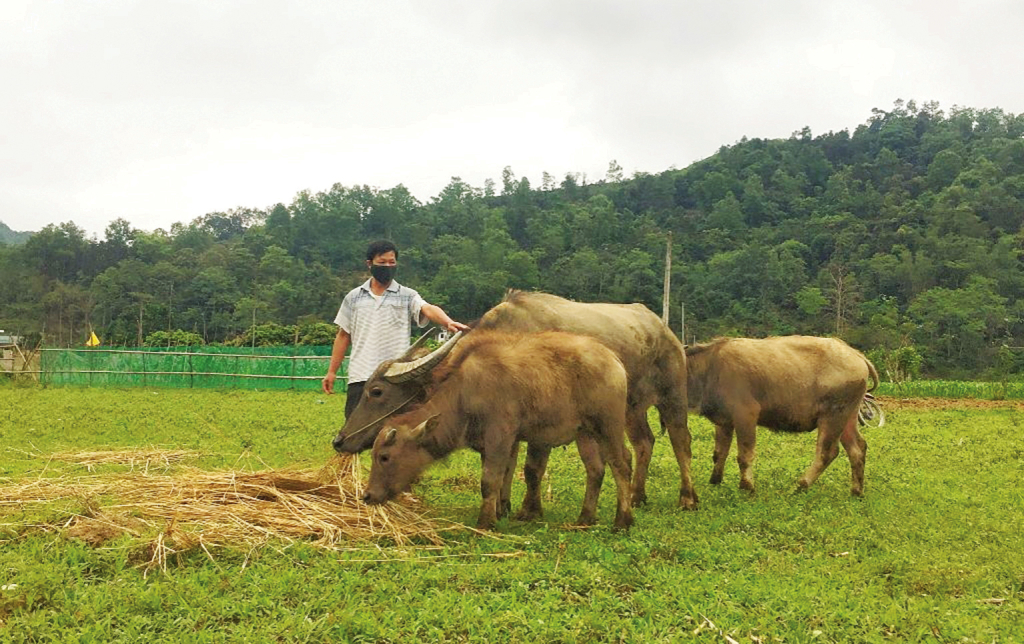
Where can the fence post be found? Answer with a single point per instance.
(143, 368)
(191, 371)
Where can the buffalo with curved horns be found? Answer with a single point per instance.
(496, 389)
(654, 360)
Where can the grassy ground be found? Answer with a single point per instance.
(935, 552)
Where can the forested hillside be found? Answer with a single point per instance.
(8, 236)
(904, 232)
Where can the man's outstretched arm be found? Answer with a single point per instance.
(436, 315)
(341, 342)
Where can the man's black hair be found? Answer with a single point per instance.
(379, 247)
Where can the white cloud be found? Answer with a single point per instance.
(164, 112)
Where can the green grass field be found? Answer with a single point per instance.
(934, 552)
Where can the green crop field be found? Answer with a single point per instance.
(934, 552)
(954, 389)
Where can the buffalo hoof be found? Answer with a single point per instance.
(716, 479)
(747, 486)
(622, 521)
(638, 499)
(528, 514)
(585, 521)
(485, 523)
(859, 493)
(689, 502)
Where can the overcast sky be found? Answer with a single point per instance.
(161, 112)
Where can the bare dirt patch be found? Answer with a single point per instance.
(938, 404)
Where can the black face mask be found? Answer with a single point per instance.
(383, 274)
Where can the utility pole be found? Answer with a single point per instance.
(142, 309)
(682, 325)
(668, 279)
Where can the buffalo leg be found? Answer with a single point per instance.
(533, 472)
(723, 441)
(594, 465)
(505, 501)
(495, 457)
(642, 439)
(826, 450)
(673, 417)
(616, 455)
(746, 443)
(857, 449)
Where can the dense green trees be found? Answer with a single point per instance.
(904, 232)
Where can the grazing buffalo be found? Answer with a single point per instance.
(653, 358)
(792, 384)
(495, 389)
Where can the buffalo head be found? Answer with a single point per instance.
(399, 457)
(394, 386)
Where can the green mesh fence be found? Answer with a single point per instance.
(220, 367)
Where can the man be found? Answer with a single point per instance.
(376, 319)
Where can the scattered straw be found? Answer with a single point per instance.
(191, 508)
(142, 458)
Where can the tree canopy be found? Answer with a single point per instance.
(905, 231)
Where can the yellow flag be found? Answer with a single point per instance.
(93, 341)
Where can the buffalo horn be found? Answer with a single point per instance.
(429, 333)
(400, 372)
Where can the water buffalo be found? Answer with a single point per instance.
(496, 389)
(653, 358)
(790, 383)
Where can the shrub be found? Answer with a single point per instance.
(899, 366)
(176, 338)
(270, 334)
(317, 333)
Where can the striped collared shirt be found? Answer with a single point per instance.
(380, 328)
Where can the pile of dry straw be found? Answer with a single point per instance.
(188, 508)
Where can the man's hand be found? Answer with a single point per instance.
(328, 383)
(455, 327)
(436, 315)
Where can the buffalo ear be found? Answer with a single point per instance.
(424, 429)
(389, 437)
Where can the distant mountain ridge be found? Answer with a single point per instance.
(8, 236)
